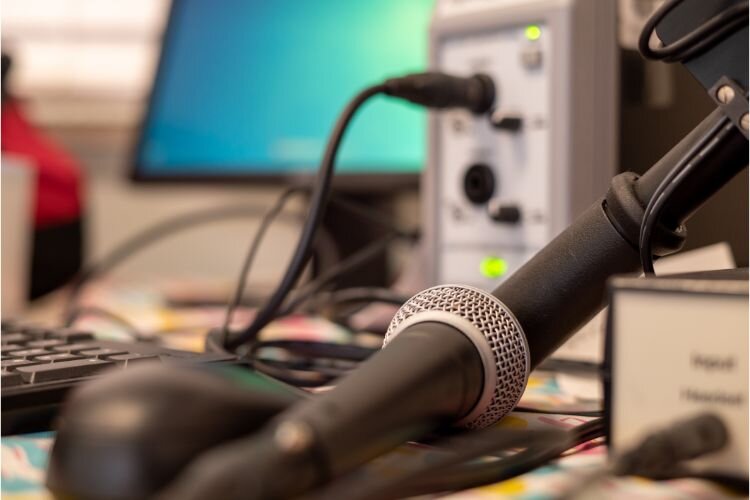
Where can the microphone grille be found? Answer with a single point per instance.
(492, 327)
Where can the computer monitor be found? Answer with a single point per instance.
(250, 89)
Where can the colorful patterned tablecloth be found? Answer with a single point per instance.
(24, 459)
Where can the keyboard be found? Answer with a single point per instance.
(40, 365)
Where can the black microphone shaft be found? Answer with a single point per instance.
(727, 157)
(429, 375)
(563, 286)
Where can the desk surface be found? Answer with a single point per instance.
(24, 460)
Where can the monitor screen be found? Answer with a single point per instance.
(252, 88)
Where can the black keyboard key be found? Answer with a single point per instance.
(73, 348)
(56, 358)
(8, 348)
(33, 387)
(30, 353)
(14, 338)
(63, 370)
(10, 325)
(36, 332)
(71, 335)
(42, 344)
(128, 360)
(11, 379)
(102, 351)
(12, 364)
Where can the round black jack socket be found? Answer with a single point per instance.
(479, 183)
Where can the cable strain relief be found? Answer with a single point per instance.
(488, 93)
(440, 91)
(214, 341)
(625, 210)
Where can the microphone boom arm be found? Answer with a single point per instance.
(571, 272)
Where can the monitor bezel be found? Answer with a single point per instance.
(349, 181)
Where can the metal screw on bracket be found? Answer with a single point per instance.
(744, 122)
(725, 94)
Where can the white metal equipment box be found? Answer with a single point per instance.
(497, 189)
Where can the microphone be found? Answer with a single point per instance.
(454, 354)
(458, 355)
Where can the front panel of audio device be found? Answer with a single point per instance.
(498, 187)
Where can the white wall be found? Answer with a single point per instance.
(118, 209)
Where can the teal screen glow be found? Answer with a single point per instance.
(254, 87)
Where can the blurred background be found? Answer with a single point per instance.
(80, 74)
(83, 69)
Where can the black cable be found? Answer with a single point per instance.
(339, 306)
(416, 476)
(572, 366)
(317, 349)
(297, 377)
(265, 223)
(472, 474)
(368, 294)
(144, 238)
(661, 453)
(354, 295)
(374, 216)
(577, 413)
(124, 323)
(308, 363)
(350, 264)
(458, 468)
(697, 41)
(592, 429)
(314, 219)
(347, 265)
(180, 222)
(669, 185)
(436, 90)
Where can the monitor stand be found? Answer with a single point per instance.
(351, 232)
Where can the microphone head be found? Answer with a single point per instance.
(493, 329)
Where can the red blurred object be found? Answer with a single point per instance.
(59, 182)
(57, 240)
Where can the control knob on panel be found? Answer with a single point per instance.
(510, 122)
(503, 212)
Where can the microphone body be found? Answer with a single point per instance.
(455, 354)
(433, 376)
(563, 286)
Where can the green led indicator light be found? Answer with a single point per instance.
(533, 32)
(493, 267)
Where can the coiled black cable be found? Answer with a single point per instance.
(697, 41)
(314, 219)
(669, 185)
